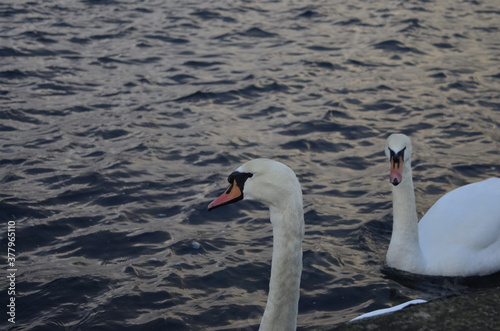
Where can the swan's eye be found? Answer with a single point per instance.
(399, 156)
(238, 178)
(401, 153)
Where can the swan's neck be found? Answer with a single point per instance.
(404, 249)
(286, 267)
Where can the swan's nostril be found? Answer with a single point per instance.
(396, 176)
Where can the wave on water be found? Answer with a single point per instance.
(121, 120)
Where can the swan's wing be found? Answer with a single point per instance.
(464, 225)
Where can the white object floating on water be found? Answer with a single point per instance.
(389, 310)
(195, 245)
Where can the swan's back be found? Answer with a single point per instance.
(460, 234)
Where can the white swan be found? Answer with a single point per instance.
(458, 236)
(275, 185)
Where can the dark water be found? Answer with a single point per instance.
(120, 121)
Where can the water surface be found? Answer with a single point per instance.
(121, 120)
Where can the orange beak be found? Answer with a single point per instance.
(232, 194)
(396, 175)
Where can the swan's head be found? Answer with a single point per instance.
(398, 151)
(263, 180)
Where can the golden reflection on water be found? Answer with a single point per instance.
(126, 129)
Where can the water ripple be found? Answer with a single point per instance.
(120, 121)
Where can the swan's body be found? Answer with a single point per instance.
(458, 236)
(275, 185)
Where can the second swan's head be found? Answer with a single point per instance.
(398, 151)
(263, 180)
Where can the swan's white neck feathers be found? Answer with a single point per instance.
(286, 267)
(404, 248)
